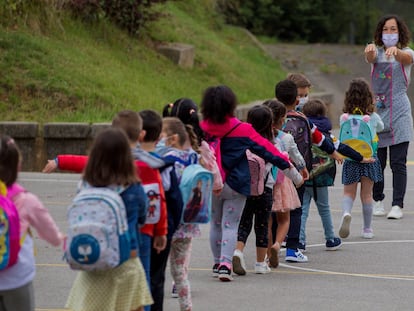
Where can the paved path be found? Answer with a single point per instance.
(373, 274)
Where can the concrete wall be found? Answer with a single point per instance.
(38, 143)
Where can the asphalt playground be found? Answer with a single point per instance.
(375, 274)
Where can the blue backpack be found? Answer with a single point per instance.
(196, 186)
(98, 237)
(357, 133)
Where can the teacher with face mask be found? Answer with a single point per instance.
(391, 60)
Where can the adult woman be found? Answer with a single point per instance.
(391, 60)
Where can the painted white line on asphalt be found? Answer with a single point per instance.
(364, 275)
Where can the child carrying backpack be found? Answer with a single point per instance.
(359, 100)
(110, 169)
(17, 261)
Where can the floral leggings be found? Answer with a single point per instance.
(179, 261)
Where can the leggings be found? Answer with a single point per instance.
(18, 299)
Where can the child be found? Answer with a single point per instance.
(110, 164)
(16, 285)
(317, 187)
(359, 99)
(303, 85)
(286, 92)
(260, 117)
(175, 136)
(285, 197)
(218, 106)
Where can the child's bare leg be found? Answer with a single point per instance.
(283, 220)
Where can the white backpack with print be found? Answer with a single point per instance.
(98, 237)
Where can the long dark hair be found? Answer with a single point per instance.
(110, 160)
(261, 118)
(9, 160)
(358, 98)
(403, 31)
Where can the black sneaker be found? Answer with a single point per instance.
(216, 270)
(225, 274)
(333, 244)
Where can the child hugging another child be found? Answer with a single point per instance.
(359, 100)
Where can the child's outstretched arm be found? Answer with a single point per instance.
(66, 162)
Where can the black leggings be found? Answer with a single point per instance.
(259, 207)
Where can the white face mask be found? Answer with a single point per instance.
(302, 101)
(390, 39)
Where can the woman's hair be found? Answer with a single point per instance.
(130, 121)
(173, 125)
(110, 160)
(403, 31)
(261, 118)
(186, 110)
(152, 124)
(218, 103)
(278, 110)
(358, 98)
(299, 79)
(315, 108)
(9, 160)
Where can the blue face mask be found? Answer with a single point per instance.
(390, 39)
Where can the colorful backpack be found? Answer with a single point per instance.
(152, 184)
(323, 169)
(257, 169)
(297, 125)
(98, 237)
(10, 242)
(356, 132)
(196, 189)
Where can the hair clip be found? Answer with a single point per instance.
(10, 142)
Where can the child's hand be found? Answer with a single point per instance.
(217, 191)
(337, 157)
(160, 242)
(50, 167)
(305, 173)
(368, 160)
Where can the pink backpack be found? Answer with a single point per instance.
(9, 227)
(257, 168)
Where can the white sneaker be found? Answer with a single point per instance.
(345, 224)
(395, 213)
(261, 268)
(367, 233)
(378, 209)
(239, 266)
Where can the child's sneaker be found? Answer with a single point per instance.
(239, 266)
(345, 224)
(333, 244)
(378, 209)
(225, 274)
(261, 268)
(274, 257)
(174, 292)
(295, 255)
(216, 270)
(367, 233)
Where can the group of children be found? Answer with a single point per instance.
(145, 145)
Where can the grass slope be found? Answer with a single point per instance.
(69, 71)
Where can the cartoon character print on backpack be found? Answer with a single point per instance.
(154, 203)
(98, 236)
(196, 189)
(323, 169)
(356, 132)
(297, 125)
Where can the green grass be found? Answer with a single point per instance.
(76, 72)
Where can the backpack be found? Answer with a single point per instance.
(257, 169)
(297, 125)
(323, 169)
(357, 133)
(10, 241)
(98, 237)
(196, 189)
(152, 184)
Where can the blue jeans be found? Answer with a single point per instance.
(145, 256)
(322, 203)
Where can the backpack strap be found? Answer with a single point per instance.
(231, 130)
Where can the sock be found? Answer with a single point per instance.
(367, 213)
(347, 203)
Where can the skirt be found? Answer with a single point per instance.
(353, 171)
(121, 289)
(285, 196)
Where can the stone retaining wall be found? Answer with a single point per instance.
(41, 142)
